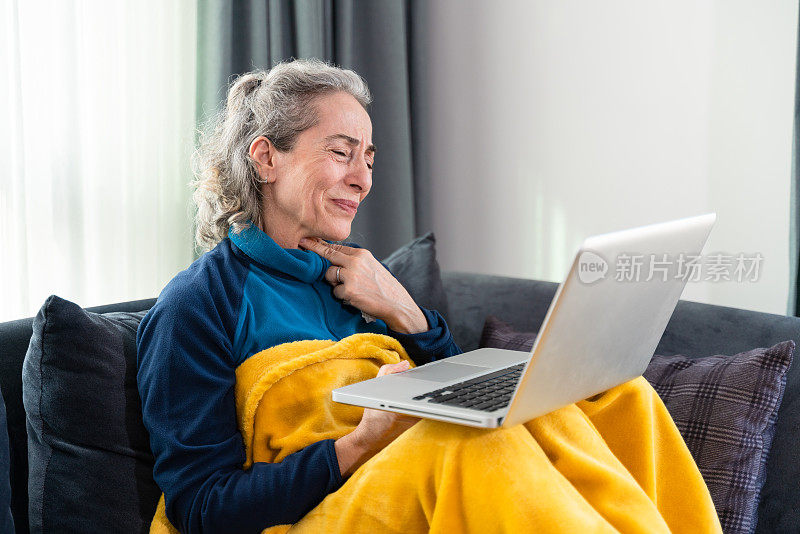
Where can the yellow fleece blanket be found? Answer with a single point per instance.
(612, 463)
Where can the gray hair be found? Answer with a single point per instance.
(276, 104)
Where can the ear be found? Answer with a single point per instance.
(264, 154)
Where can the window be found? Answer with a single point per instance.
(97, 103)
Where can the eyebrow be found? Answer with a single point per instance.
(352, 141)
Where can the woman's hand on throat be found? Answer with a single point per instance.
(361, 281)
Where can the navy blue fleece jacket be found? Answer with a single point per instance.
(245, 295)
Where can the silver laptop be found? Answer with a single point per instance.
(601, 330)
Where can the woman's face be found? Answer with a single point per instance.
(330, 161)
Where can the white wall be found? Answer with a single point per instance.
(552, 121)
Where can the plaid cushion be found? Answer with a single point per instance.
(499, 335)
(725, 408)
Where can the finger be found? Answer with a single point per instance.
(326, 250)
(391, 368)
(341, 247)
(330, 275)
(339, 292)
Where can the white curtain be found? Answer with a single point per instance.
(97, 103)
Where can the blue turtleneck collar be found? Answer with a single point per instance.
(302, 264)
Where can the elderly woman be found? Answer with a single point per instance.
(280, 177)
(286, 168)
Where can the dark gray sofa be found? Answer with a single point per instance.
(695, 330)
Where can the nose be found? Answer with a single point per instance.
(360, 178)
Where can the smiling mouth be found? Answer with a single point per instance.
(349, 207)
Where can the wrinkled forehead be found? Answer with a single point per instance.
(341, 115)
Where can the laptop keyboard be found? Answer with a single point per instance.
(487, 392)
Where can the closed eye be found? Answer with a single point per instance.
(340, 153)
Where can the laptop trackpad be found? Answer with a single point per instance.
(442, 372)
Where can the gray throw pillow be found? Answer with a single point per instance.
(416, 267)
(725, 407)
(89, 453)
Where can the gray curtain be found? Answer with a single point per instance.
(379, 39)
(794, 231)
